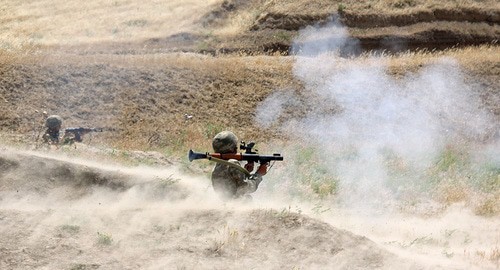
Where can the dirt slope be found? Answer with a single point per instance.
(59, 214)
(269, 27)
(145, 102)
(146, 98)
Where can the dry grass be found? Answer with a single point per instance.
(468, 57)
(487, 203)
(74, 22)
(373, 6)
(209, 87)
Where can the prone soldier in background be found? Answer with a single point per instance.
(53, 124)
(72, 135)
(228, 181)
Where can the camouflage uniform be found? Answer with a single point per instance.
(227, 181)
(53, 124)
(231, 183)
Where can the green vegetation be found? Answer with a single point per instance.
(284, 36)
(72, 229)
(104, 239)
(84, 266)
(164, 186)
(453, 177)
(212, 129)
(137, 23)
(341, 8)
(309, 175)
(404, 3)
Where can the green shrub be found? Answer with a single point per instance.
(104, 239)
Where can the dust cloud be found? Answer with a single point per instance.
(380, 137)
(62, 212)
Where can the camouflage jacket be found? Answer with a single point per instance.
(230, 183)
(51, 136)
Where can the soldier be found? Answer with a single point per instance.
(53, 124)
(228, 181)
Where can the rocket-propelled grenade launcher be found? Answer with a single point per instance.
(248, 155)
(237, 156)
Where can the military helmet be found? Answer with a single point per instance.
(225, 142)
(53, 121)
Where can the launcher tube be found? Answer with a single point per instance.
(237, 156)
(247, 157)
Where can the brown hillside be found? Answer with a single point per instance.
(268, 27)
(146, 98)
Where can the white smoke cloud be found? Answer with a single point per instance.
(270, 109)
(412, 118)
(314, 41)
